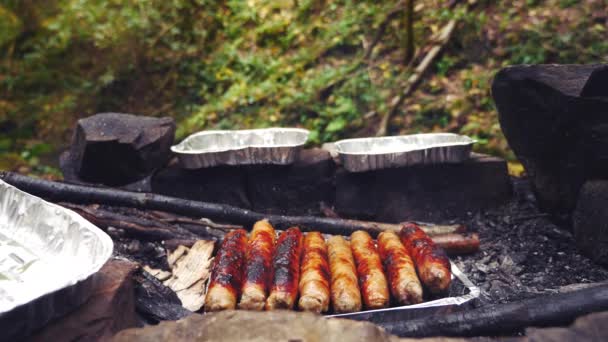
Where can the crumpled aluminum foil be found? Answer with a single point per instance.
(279, 146)
(365, 154)
(462, 292)
(47, 257)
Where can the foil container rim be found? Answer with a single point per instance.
(104, 239)
(474, 292)
(466, 140)
(180, 147)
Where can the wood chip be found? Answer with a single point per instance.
(190, 270)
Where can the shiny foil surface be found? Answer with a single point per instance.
(279, 146)
(365, 154)
(462, 291)
(46, 252)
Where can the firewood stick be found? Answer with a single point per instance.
(64, 192)
(503, 319)
(458, 244)
(133, 226)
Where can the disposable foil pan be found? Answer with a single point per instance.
(255, 146)
(364, 154)
(461, 292)
(48, 256)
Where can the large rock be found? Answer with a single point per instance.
(117, 149)
(273, 189)
(555, 118)
(110, 309)
(262, 326)
(426, 192)
(221, 184)
(296, 189)
(590, 221)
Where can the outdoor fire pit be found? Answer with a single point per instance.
(182, 230)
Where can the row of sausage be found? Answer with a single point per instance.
(265, 273)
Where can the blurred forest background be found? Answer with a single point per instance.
(336, 67)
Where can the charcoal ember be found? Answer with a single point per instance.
(156, 302)
(221, 184)
(425, 192)
(555, 120)
(590, 221)
(296, 189)
(118, 149)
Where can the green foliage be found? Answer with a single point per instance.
(258, 63)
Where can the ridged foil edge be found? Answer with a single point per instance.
(270, 152)
(54, 233)
(444, 303)
(430, 150)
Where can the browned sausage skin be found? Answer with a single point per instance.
(227, 272)
(372, 281)
(431, 261)
(286, 270)
(400, 270)
(258, 266)
(314, 274)
(345, 294)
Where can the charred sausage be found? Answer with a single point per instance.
(314, 274)
(258, 263)
(372, 281)
(286, 270)
(400, 269)
(431, 261)
(345, 294)
(227, 272)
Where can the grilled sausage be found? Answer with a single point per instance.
(314, 274)
(372, 281)
(400, 270)
(286, 270)
(457, 244)
(431, 261)
(227, 272)
(345, 295)
(258, 263)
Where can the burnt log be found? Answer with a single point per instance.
(590, 221)
(504, 319)
(62, 192)
(155, 302)
(423, 192)
(117, 149)
(555, 118)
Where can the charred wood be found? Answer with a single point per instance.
(62, 192)
(503, 319)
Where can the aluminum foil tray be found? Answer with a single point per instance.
(48, 256)
(365, 154)
(462, 292)
(279, 146)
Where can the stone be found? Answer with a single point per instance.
(590, 221)
(117, 149)
(110, 308)
(237, 325)
(221, 184)
(590, 327)
(424, 192)
(296, 189)
(555, 118)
